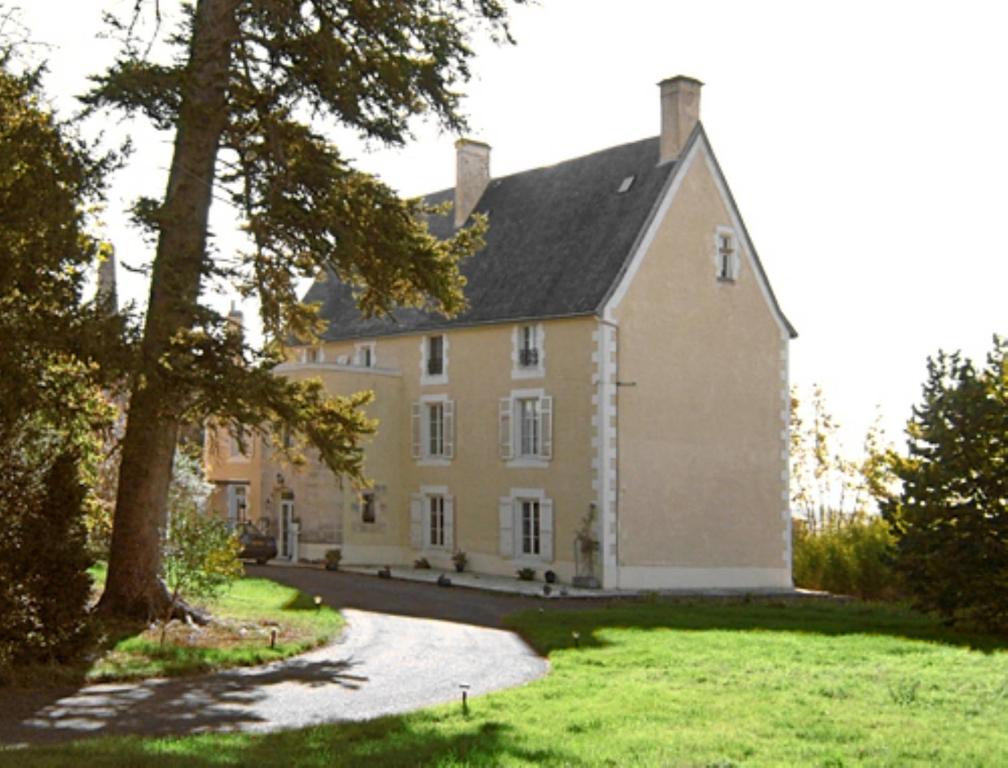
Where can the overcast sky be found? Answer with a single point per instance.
(866, 144)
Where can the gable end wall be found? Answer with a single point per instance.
(702, 405)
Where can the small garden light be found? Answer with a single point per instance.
(318, 601)
(465, 697)
(577, 638)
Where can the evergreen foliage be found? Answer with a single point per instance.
(44, 584)
(244, 91)
(52, 411)
(950, 519)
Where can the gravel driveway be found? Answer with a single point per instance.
(406, 646)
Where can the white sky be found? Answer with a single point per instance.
(866, 144)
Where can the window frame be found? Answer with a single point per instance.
(511, 429)
(426, 377)
(368, 501)
(525, 338)
(365, 355)
(423, 437)
(727, 260)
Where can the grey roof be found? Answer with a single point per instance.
(558, 239)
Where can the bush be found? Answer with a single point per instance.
(849, 558)
(44, 584)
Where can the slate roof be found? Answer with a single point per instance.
(558, 239)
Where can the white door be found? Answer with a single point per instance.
(287, 528)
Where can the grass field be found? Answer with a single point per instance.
(245, 615)
(654, 683)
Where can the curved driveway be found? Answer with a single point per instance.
(383, 664)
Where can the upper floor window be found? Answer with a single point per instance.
(239, 444)
(527, 353)
(434, 359)
(435, 355)
(726, 259)
(434, 428)
(526, 428)
(529, 426)
(364, 354)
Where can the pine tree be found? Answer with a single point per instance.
(249, 80)
(951, 517)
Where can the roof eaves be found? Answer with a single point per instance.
(427, 329)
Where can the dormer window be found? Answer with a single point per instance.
(726, 259)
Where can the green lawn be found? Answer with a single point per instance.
(245, 616)
(656, 683)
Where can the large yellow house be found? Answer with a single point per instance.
(622, 369)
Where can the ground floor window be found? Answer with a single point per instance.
(531, 527)
(368, 507)
(436, 514)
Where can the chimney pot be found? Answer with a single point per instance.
(680, 112)
(472, 174)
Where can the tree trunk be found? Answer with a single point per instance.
(133, 588)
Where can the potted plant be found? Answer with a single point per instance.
(332, 559)
(526, 574)
(550, 577)
(421, 564)
(460, 560)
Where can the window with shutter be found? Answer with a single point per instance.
(433, 429)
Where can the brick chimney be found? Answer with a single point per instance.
(472, 174)
(680, 112)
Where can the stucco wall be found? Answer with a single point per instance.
(702, 446)
(479, 366)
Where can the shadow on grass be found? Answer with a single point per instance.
(389, 741)
(801, 616)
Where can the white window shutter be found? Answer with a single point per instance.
(506, 527)
(546, 529)
(449, 523)
(546, 414)
(448, 429)
(417, 432)
(416, 509)
(506, 448)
